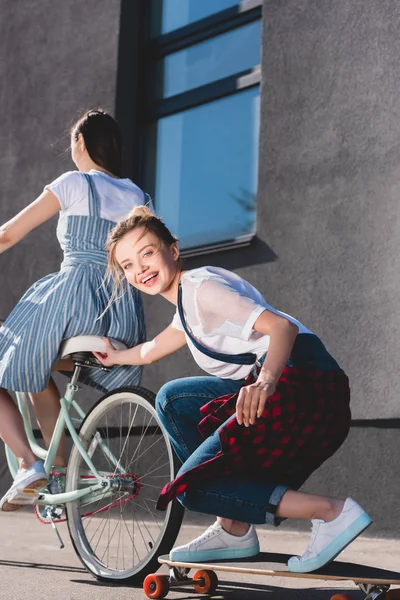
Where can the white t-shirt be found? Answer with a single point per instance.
(117, 197)
(220, 310)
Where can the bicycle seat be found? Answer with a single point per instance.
(87, 343)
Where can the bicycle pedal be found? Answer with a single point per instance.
(24, 496)
(52, 513)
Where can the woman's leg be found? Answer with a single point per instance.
(298, 505)
(241, 500)
(178, 405)
(46, 405)
(338, 522)
(335, 523)
(12, 431)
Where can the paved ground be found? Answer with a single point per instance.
(32, 567)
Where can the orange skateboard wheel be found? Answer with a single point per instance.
(156, 586)
(341, 597)
(393, 594)
(205, 582)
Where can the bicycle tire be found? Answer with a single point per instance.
(144, 401)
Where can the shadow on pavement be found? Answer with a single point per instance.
(235, 592)
(32, 565)
(239, 591)
(104, 584)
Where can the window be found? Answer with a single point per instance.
(202, 128)
(219, 57)
(168, 15)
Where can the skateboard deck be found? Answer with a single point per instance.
(373, 581)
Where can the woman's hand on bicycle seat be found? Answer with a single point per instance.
(109, 357)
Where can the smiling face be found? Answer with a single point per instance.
(148, 264)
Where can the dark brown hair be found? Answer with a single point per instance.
(102, 139)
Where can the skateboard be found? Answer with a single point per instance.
(373, 582)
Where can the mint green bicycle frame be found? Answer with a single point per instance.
(103, 485)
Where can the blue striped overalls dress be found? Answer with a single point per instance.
(67, 304)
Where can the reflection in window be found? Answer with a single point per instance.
(206, 169)
(168, 15)
(208, 61)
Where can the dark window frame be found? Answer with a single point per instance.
(150, 50)
(226, 20)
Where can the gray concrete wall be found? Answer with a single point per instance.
(329, 187)
(329, 182)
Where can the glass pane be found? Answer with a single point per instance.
(168, 15)
(206, 170)
(208, 61)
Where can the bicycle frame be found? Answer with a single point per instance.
(103, 484)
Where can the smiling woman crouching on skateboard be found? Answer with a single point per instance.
(274, 408)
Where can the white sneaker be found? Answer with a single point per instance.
(328, 539)
(33, 478)
(217, 544)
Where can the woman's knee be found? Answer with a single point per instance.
(163, 395)
(170, 391)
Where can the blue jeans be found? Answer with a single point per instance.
(238, 497)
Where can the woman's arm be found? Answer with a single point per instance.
(282, 334)
(39, 211)
(252, 398)
(166, 342)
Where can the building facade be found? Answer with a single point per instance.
(266, 132)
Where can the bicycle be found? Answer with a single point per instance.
(120, 460)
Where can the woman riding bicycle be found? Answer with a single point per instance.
(274, 409)
(71, 302)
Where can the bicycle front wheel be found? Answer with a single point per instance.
(119, 536)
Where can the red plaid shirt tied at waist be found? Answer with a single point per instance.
(305, 421)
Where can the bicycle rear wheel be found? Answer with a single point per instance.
(119, 537)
